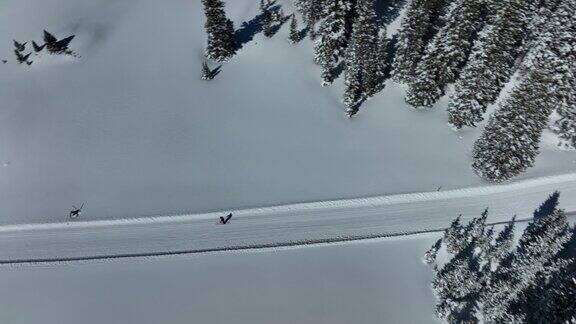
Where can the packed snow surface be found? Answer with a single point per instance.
(281, 225)
(130, 129)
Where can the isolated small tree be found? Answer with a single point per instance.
(430, 255)
(220, 31)
(269, 24)
(294, 36)
(206, 72)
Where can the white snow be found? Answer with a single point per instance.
(132, 130)
(281, 225)
(377, 282)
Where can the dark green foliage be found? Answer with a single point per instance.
(446, 53)
(332, 38)
(510, 142)
(364, 62)
(547, 207)
(491, 280)
(294, 36)
(420, 24)
(220, 32)
(491, 63)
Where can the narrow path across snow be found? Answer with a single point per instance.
(311, 223)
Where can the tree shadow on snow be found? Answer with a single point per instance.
(214, 72)
(251, 28)
(248, 30)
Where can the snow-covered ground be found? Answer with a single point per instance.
(277, 226)
(131, 129)
(381, 281)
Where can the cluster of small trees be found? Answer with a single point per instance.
(477, 45)
(51, 44)
(488, 277)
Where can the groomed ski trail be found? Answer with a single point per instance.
(278, 226)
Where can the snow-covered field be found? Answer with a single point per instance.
(131, 129)
(317, 285)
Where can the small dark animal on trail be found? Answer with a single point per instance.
(75, 212)
(225, 220)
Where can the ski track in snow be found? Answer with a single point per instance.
(278, 226)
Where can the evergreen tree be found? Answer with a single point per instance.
(430, 255)
(269, 25)
(447, 52)
(220, 30)
(557, 302)
(503, 244)
(363, 73)
(418, 26)
(491, 63)
(457, 286)
(311, 11)
(558, 43)
(332, 39)
(490, 280)
(454, 236)
(535, 255)
(547, 207)
(294, 36)
(510, 142)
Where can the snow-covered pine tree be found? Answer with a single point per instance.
(535, 255)
(491, 63)
(430, 255)
(269, 24)
(447, 53)
(311, 11)
(557, 302)
(559, 41)
(510, 142)
(457, 286)
(332, 38)
(548, 206)
(378, 65)
(418, 27)
(220, 31)
(294, 36)
(502, 245)
(454, 236)
(363, 61)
